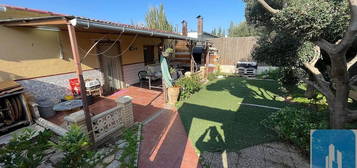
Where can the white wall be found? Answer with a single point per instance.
(227, 68)
(131, 73)
(192, 34)
(231, 68)
(262, 69)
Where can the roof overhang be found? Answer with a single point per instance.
(36, 21)
(90, 25)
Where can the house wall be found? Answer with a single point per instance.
(42, 59)
(30, 53)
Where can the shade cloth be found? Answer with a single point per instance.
(166, 76)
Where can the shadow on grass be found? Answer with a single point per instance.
(213, 127)
(216, 130)
(262, 92)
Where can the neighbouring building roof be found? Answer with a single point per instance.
(205, 35)
(37, 16)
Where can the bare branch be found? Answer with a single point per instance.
(314, 85)
(353, 80)
(320, 80)
(321, 84)
(350, 34)
(351, 115)
(351, 62)
(312, 69)
(325, 45)
(346, 42)
(316, 56)
(325, 91)
(351, 111)
(316, 72)
(268, 7)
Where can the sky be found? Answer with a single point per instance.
(216, 13)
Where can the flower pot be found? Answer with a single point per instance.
(173, 94)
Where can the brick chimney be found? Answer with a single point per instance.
(184, 28)
(199, 26)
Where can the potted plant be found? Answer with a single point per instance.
(168, 52)
(173, 73)
(174, 91)
(173, 94)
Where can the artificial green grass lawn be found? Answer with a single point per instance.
(215, 121)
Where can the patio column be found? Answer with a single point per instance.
(76, 58)
(207, 60)
(192, 63)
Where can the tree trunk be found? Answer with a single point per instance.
(310, 92)
(338, 104)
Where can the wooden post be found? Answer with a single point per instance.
(192, 68)
(207, 60)
(76, 58)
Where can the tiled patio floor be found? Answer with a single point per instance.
(166, 144)
(145, 103)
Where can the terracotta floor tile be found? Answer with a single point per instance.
(145, 103)
(166, 144)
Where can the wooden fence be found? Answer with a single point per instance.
(234, 49)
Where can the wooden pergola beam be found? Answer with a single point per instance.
(76, 58)
(207, 60)
(192, 63)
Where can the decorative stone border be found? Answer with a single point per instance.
(138, 144)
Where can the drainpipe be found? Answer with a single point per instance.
(76, 58)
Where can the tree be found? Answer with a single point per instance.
(242, 30)
(220, 32)
(214, 31)
(319, 27)
(156, 19)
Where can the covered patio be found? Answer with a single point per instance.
(117, 79)
(146, 103)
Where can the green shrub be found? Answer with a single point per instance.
(75, 146)
(271, 74)
(289, 77)
(286, 76)
(212, 76)
(25, 150)
(294, 124)
(130, 150)
(189, 85)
